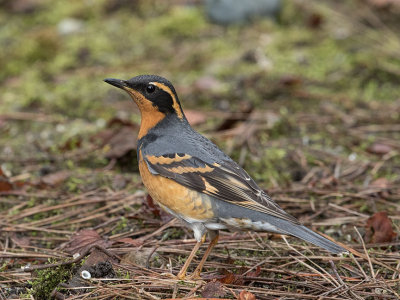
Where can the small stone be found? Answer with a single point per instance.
(69, 26)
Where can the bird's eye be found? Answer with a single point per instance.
(150, 88)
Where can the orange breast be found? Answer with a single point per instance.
(182, 201)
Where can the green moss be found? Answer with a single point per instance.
(272, 167)
(180, 22)
(120, 226)
(48, 279)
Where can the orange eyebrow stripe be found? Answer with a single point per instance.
(182, 170)
(175, 104)
(166, 160)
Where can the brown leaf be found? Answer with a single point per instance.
(231, 121)
(118, 138)
(230, 278)
(195, 117)
(315, 21)
(290, 80)
(2, 172)
(54, 179)
(118, 122)
(380, 183)
(213, 289)
(122, 141)
(245, 295)
(379, 149)
(379, 229)
(254, 273)
(101, 138)
(5, 186)
(152, 207)
(71, 144)
(83, 240)
(20, 241)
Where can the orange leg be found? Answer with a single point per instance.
(196, 273)
(182, 273)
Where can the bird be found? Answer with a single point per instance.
(195, 181)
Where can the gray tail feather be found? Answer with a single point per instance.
(314, 238)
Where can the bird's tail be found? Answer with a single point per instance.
(314, 238)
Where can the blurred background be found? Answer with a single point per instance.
(325, 62)
(303, 94)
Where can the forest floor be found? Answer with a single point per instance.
(308, 104)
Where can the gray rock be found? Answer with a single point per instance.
(227, 12)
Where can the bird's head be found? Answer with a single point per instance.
(151, 93)
(154, 95)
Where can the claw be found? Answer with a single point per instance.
(181, 276)
(194, 276)
(169, 275)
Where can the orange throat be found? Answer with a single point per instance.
(150, 115)
(149, 120)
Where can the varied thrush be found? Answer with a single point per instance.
(191, 178)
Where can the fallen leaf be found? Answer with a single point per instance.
(118, 139)
(5, 184)
(379, 229)
(152, 207)
(290, 80)
(245, 295)
(71, 144)
(379, 149)
(230, 278)
(101, 138)
(122, 141)
(85, 239)
(254, 273)
(381, 183)
(20, 241)
(2, 172)
(315, 21)
(54, 179)
(213, 289)
(231, 121)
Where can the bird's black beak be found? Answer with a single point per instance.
(122, 84)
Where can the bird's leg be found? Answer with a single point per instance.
(213, 242)
(182, 273)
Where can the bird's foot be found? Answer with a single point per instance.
(182, 276)
(169, 275)
(195, 276)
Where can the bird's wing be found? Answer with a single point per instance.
(224, 180)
